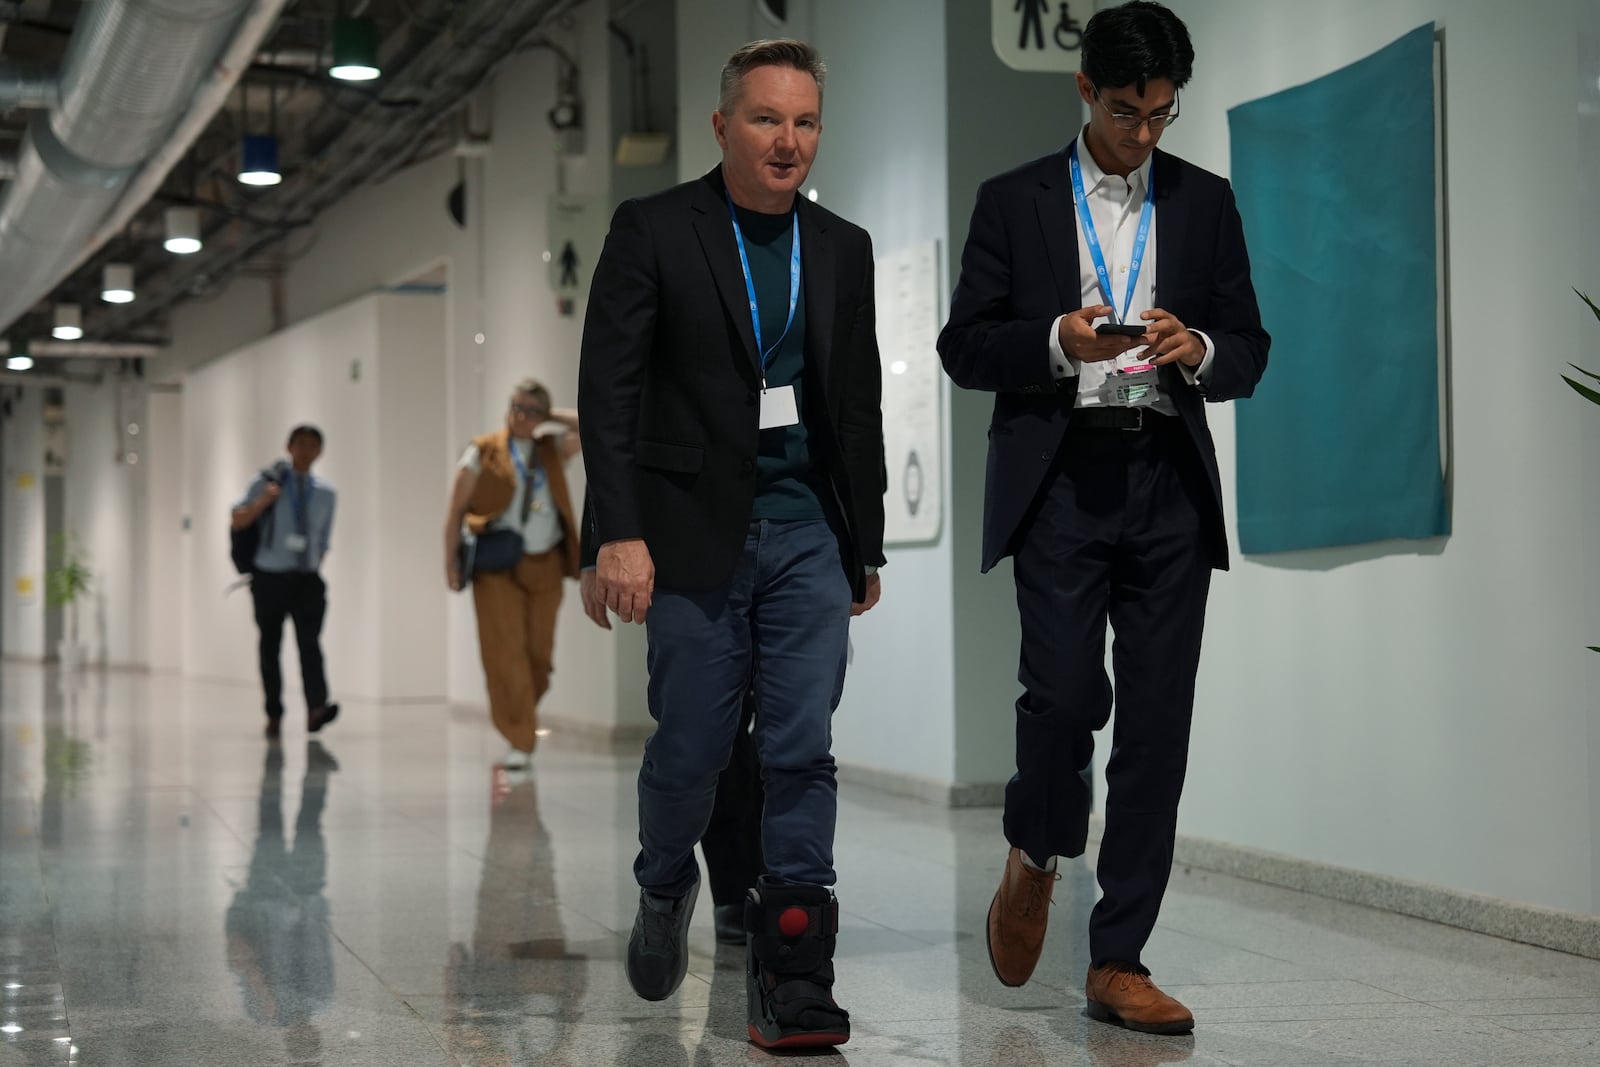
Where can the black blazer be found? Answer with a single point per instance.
(1019, 271)
(669, 380)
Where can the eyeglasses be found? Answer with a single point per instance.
(530, 411)
(1133, 122)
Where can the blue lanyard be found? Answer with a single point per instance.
(1146, 216)
(531, 481)
(300, 501)
(534, 479)
(750, 288)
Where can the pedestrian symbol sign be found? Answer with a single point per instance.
(1038, 35)
(576, 232)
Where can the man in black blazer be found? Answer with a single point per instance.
(1102, 482)
(729, 399)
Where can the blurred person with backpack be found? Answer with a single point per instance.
(280, 534)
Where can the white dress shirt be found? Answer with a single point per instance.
(542, 531)
(1115, 204)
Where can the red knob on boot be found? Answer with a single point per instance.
(793, 922)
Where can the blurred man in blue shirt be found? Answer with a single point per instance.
(295, 510)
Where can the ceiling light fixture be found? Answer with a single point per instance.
(355, 50)
(69, 323)
(116, 283)
(183, 231)
(259, 160)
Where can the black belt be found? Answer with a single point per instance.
(1110, 418)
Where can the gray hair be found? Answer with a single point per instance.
(532, 387)
(785, 52)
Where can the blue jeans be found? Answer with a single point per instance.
(785, 616)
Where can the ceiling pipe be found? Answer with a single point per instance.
(208, 100)
(442, 75)
(23, 86)
(131, 69)
(43, 381)
(93, 350)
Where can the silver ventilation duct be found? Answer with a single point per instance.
(127, 79)
(29, 87)
(445, 69)
(92, 350)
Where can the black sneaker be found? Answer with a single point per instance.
(320, 717)
(657, 956)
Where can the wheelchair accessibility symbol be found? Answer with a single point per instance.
(1037, 35)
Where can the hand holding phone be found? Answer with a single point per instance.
(1082, 341)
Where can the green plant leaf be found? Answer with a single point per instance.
(1591, 303)
(69, 576)
(1583, 390)
(1594, 648)
(1585, 373)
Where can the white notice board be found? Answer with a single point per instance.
(908, 332)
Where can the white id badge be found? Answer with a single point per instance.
(1133, 386)
(295, 542)
(778, 408)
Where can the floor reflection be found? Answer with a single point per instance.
(516, 992)
(277, 926)
(162, 887)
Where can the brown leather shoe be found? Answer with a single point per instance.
(1017, 919)
(1123, 994)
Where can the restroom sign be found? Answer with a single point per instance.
(1039, 35)
(576, 232)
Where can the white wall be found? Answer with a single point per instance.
(22, 542)
(1427, 713)
(890, 177)
(411, 372)
(106, 517)
(653, 28)
(1588, 49)
(165, 574)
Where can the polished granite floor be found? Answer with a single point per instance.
(175, 891)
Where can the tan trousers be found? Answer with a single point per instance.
(517, 637)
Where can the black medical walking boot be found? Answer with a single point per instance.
(789, 966)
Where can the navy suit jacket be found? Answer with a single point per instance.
(1019, 271)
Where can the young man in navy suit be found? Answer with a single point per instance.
(1104, 298)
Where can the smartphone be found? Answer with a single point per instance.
(1119, 329)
